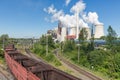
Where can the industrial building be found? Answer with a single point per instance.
(61, 33)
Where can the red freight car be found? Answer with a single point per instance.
(25, 68)
(13, 58)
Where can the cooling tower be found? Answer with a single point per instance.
(63, 33)
(99, 31)
(73, 31)
(88, 32)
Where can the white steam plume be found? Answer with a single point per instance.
(78, 7)
(92, 18)
(70, 20)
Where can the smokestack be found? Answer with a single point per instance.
(99, 31)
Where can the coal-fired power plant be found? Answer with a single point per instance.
(70, 32)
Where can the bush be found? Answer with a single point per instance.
(69, 45)
(97, 57)
(41, 51)
(115, 75)
(1, 53)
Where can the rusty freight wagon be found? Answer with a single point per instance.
(25, 68)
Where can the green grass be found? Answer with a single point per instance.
(50, 57)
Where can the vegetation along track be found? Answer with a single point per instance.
(91, 76)
(32, 56)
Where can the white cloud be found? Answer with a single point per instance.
(78, 7)
(92, 18)
(82, 23)
(67, 2)
(69, 20)
(50, 10)
(57, 15)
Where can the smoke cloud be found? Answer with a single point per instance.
(71, 20)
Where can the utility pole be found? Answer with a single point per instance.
(77, 34)
(33, 42)
(46, 44)
(78, 52)
(92, 38)
(3, 43)
(61, 47)
(77, 25)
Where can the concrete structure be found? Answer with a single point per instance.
(63, 33)
(72, 31)
(99, 31)
(88, 32)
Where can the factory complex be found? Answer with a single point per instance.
(62, 33)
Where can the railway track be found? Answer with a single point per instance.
(33, 56)
(89, 75)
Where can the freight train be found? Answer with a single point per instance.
(25, 68)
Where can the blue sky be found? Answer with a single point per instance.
(26, 18)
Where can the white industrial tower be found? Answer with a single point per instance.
(63, 33)
(99, 31)
(88, 30)
(72, 31)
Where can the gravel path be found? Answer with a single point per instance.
(5, 73)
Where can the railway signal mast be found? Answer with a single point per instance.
(92, 37)
(3, 43)
(46, 44)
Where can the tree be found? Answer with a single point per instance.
(97, 57)
(111, 37)
(91, 44)
(103, 37)
(4, 39)
(43, 40)
(82, 38)
(83, 35)
(119, 38)
(51, 42)
(69, 45)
